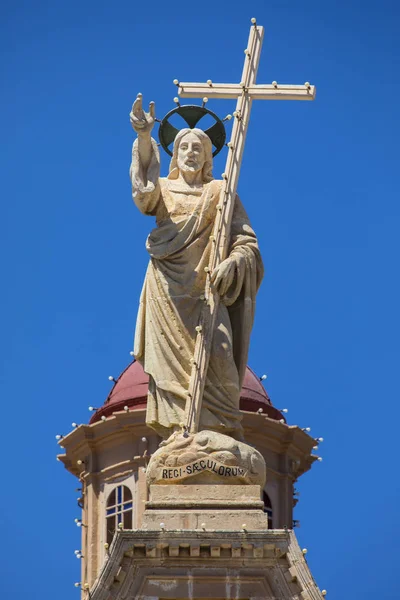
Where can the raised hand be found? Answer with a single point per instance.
(141, 121)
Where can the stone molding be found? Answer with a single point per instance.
(269, 563)
(88, 440)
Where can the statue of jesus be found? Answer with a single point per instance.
(184, 205)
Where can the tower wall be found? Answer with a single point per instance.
(114, 453)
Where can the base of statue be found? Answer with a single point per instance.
(207, 457)
(201, 507)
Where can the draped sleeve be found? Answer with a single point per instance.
(241, 296)
(246, 254)
(146, 190)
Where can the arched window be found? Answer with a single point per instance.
(268, 509)
(119, 510)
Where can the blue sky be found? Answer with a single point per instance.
(320, 182)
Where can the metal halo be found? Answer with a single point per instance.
(192, 114)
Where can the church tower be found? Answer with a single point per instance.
(187, 472)
(242, 546)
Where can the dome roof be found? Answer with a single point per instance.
(131, 386)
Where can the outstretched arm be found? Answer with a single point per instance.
(145, 166)
(143, 123)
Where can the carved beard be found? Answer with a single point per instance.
(193, 167)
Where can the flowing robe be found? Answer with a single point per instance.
(172, 300)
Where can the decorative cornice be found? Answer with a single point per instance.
(266, 434)
(274, 554)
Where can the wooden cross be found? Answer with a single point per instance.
(245, 92)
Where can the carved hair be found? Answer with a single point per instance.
(207, 145)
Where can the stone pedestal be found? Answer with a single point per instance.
(205, 507)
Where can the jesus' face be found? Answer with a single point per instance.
(191, 155)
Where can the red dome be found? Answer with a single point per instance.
(131, 390)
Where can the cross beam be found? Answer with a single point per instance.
(245, 92)
(229, 91)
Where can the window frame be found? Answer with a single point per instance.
(118, 508)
